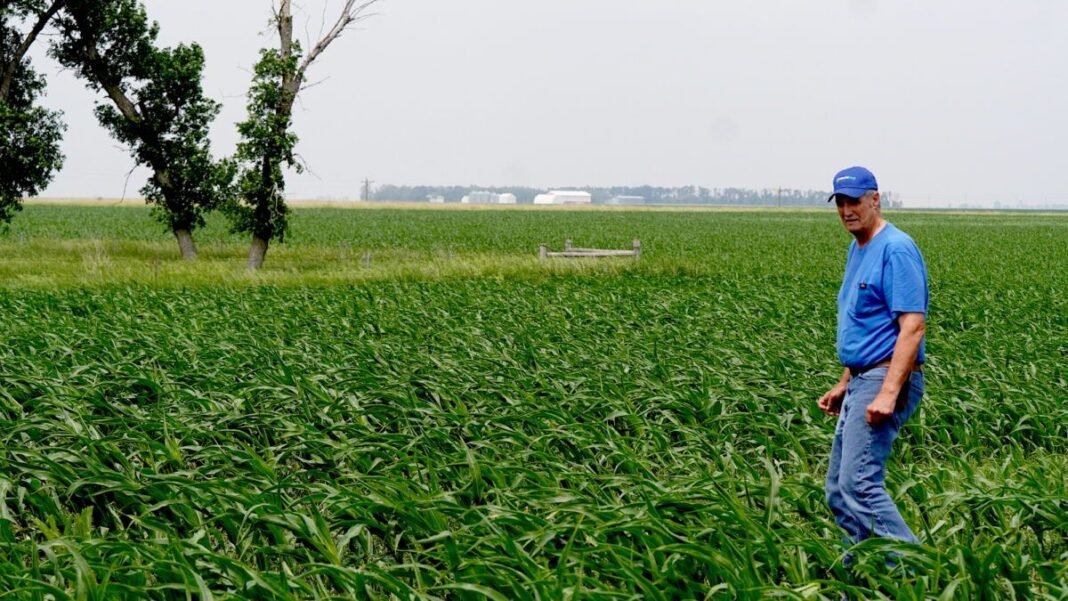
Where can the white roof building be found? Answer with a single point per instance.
(479, 197)
(563, 197)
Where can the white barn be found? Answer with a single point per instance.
(564, 197)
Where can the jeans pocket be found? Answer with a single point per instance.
(899, 417)
(906, 412)
(916, 384)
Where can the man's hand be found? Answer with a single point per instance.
(831, 402)
(881, 408)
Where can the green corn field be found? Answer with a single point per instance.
(408, 404)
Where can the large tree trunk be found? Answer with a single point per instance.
(256, 252)
(186, 244)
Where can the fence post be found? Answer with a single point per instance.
(567, 244)
(637, 249)
(543, 253)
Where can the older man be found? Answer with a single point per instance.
(882, 306)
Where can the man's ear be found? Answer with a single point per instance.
(876, 200)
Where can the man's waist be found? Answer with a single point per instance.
(856, 371)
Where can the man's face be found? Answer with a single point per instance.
(858, 214)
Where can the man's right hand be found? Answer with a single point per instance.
(831, 402)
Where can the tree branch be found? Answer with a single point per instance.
(353, 12)
(20, 53)
(118, 96)
(91, 58)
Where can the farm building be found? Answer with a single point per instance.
(563, 197)
(488, 198)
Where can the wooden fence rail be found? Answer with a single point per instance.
(573, 252)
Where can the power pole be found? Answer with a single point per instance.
(367, 188)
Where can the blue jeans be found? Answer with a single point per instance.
(856, 472)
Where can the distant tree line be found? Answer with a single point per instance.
(682, 195)
(151, 99)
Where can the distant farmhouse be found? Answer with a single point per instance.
(564, 197)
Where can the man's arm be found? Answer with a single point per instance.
(905, 351)
(831, 401)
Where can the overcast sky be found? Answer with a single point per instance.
(947, 102)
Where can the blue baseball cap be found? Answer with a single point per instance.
(853, 181)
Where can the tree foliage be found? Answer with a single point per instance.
(266, 148)
(29, 144)
(157, 104)
(267, 144)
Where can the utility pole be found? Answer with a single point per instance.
(367, 188)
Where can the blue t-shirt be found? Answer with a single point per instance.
(882, 280)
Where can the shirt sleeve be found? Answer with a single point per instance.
(907, 292)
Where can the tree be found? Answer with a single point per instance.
(29, 144)
(157, 107)
(267, 142)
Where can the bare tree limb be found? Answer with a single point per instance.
(322, 23)
(353, 12)
(313, 84)
(307, 168)
(126, 183)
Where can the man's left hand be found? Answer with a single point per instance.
(880, 409)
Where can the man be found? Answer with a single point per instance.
(882, 306)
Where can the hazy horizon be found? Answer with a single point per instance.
(948, 103)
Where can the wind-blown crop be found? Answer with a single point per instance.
(624, 432)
